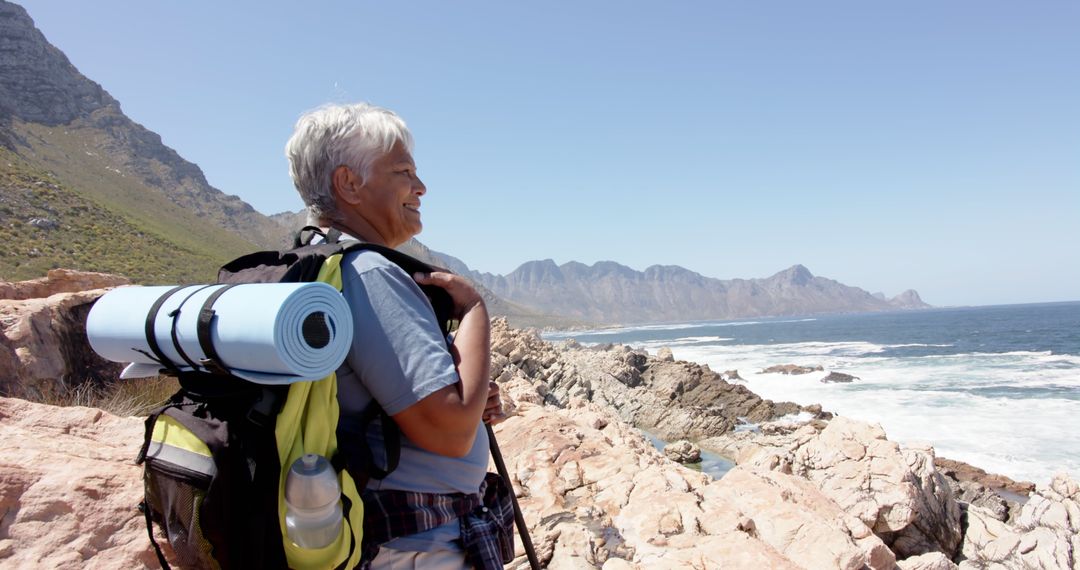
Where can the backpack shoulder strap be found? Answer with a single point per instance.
(440, 299)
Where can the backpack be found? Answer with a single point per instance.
(216, 453)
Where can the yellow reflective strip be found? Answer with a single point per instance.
(172, 432)
(189, 460)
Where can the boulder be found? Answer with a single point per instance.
(682, 451)
(928, 561)
(732, 376)
(665, 355)
(793, 369)
(838, 377)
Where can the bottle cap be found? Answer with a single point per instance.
(311, 483)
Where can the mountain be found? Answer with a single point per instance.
(607, 292)
(65, 133)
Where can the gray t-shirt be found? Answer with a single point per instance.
(399, 357)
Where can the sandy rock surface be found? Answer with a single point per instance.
(69, 488)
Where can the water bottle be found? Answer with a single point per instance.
(312, 502)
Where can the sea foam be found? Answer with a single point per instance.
(1011, 413)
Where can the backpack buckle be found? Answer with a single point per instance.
(264, 410)
(214, 367)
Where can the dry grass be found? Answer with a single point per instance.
(121, 397)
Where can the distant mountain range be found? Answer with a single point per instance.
(607, 292)
(85, 187)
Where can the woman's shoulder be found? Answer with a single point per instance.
(366, 259)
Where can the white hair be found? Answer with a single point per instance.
(339, 135)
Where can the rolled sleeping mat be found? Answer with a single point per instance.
(270, 333)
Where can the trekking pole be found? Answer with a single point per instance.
(519, 519)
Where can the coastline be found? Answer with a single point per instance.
(925, 512)
(1005, 399)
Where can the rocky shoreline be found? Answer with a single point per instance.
(826, 492)
(928, 512)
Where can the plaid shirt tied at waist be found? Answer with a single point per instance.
(487, 520)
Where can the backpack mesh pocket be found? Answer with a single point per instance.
(175, 496)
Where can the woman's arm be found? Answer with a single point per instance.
(445, 422)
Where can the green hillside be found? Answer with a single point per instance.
(74, 231)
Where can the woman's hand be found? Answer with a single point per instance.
(461, 291)
(493, 412)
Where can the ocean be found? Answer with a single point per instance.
(997, 387)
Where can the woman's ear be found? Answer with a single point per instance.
(346, 184)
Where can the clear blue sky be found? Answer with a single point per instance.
(923, 144)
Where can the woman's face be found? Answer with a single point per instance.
(389, 199)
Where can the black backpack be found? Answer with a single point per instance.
(212, 471)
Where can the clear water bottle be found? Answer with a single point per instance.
(312, 502)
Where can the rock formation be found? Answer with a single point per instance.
(792, 369)
(895, 492)
(673, 399)
(596, 494)
(834, 377)
(1045, 535)
(43, 342)
(682, 451)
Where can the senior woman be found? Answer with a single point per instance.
(353, 167)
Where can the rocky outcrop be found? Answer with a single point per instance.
(597, 494)
(43, 344)
(835, 377)
(792, 369)
(964, 473)
(673, 399)
(59, 281)
(896, 492)
(928, 518)
(40, 86)
(1045, 535)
